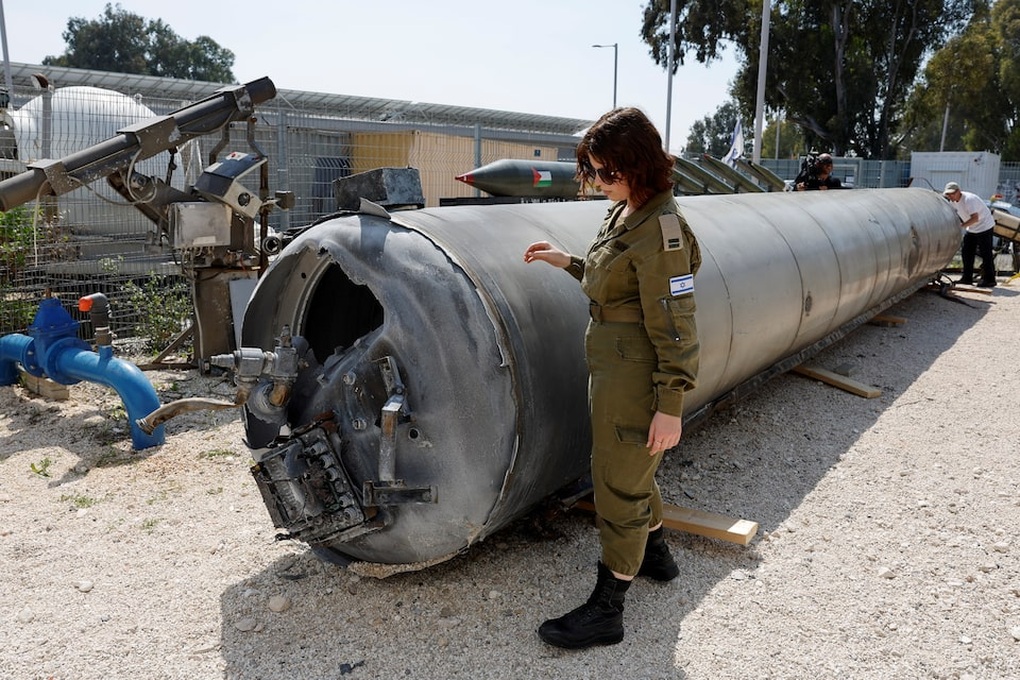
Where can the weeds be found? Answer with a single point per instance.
(79, 501)
(216, 453)
(42, 468)
(163, 305)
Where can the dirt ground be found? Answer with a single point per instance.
(887, 545)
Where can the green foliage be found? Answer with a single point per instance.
(216, 453)
(163, 305)
(42, 468)
(712, 133)
(122, 42)
(17, 242)
(969, 96)
(79, 501)
(841, 69)
(790, 139)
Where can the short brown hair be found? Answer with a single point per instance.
(627, 143)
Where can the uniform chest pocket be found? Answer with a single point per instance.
(610, 257)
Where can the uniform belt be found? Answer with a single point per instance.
(615, 314)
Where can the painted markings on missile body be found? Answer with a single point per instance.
(681, 285)
(672, 232)
(543, 178)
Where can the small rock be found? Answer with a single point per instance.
(25, 616)
(279, 603)
(84, 586)
(886, 572)
(1001, 546)
(246, 625)
(964, 640)
(1015, 632)
(987, 568)
(495, 594)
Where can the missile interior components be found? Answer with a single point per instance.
(440, 383)
(510, 177)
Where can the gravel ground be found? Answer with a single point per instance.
(887, 545)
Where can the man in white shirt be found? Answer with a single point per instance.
(977, 224)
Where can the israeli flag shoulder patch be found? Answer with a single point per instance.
(681, 285)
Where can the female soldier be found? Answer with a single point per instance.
(641, 346)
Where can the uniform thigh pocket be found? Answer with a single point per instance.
(636, 348)
(631, 435)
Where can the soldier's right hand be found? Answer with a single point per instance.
(547, 252)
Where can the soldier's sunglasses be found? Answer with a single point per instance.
(606, 175)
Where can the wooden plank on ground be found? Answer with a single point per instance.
(699, 522)
(960, 288)
(836, 380)
(44, 387)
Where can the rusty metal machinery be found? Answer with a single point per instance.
(414, 386)
(211, 223)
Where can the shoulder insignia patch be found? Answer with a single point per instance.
(681, 285)
(672, 233)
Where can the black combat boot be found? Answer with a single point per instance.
(658, 563)
(599, 621)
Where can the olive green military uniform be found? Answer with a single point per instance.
(642, 352)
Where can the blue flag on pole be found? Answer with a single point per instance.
(736, 146)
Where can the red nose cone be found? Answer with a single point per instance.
(467, 178)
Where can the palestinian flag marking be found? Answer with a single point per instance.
(541, 178)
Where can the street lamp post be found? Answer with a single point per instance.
(616, 53)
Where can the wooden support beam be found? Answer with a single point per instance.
(698, 522)
(961, 288)
(44, 387)
(836, 380)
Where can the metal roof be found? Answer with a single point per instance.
(351, 106)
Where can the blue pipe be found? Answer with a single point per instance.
(53, 350)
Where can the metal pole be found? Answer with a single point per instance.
(616, 53)
(763, 57)
(669, 69)
(8, 82)
(945, 126)
(779, 126)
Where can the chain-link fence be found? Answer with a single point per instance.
(92, 239)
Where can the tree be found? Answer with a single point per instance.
(841, 69)
(122, 42)
(968, 96)
(712, 133)
(790, 138)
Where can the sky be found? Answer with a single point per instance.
(530, 56)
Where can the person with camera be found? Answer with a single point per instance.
(817, 175)
(977, 223)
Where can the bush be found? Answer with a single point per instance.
(163, 307)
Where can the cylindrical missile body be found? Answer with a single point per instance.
(488, 414)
